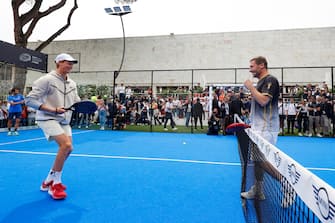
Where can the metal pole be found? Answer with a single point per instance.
(332, 98)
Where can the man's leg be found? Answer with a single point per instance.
(56, 188)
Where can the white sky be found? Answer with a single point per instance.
(162, 17)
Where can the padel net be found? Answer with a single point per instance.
(282, 190)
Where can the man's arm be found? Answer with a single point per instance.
(258, 96)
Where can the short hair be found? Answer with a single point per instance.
(260, 60)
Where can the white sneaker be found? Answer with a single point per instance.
(310, 135)
(9, 133)
(174, 129)
(252, 194)
(300, 134)
(102, 128)
(16, 133)
(165, 129)
(318, 135)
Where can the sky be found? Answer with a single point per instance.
(163, 17)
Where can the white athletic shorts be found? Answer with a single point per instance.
(53, 128)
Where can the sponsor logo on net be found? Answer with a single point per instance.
(293, 174)
(326, 207)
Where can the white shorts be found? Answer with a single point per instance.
(53, 128)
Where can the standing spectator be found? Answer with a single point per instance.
(236, 105)
(326, 115)
(112, 111)
(188, 112)
(314, 115)
(224, 114)
(198, 111)
(3, 115)
(215, 102)
(15, 100)
(102, 112)
(290, 112)
(168, 114)
(155, 109)
(24, 115)
(122, 93)
(282, 115)
(302, 118)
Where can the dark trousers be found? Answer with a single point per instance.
(168, 116)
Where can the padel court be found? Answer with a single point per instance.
(121, 176)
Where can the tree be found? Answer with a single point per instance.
(25, 23)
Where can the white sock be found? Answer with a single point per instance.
(55, 176)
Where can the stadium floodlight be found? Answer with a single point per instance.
(118, 10)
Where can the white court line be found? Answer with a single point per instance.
(129, 157)
(144, 158)
(36, 139)
(125, 157)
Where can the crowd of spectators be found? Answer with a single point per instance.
(304, 110)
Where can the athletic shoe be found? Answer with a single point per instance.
(16, 133)
(9, 133)
(300, 134)
(45, 186)
(253, 194)
(174, 129)
(57, 192)
(319, 135)
(165, 129)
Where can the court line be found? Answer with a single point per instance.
(36, 139)
(145, 158)
(124, 157)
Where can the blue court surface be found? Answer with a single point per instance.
(120, 176)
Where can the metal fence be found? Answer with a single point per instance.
(192, 83)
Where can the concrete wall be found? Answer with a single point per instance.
(98, 58)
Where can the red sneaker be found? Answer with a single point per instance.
(57, 191)
(45, 185)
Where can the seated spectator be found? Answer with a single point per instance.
(214, 123)
(143, 119)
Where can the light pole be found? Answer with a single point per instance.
(119, 11)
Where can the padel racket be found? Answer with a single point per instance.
(236, 127)
(85, 107)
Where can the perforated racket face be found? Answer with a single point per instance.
(85, 107)
(236, 127)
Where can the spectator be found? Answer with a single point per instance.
(214, 123)
(314, 117)
(198, 111)
(102, 112)
(188, 112)
(290, 112)
(302, 117)
(15, 100)
(168, 114)
(326, 116)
